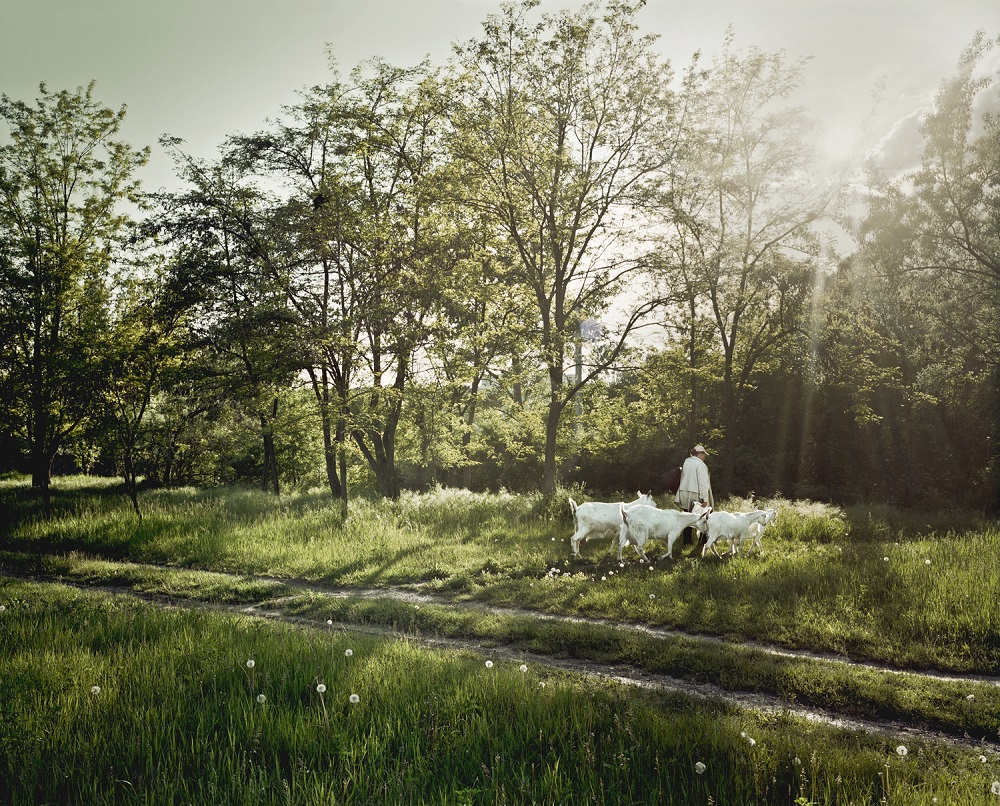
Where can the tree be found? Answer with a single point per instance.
(224, 273)
(141, 328)
(562, 129)
(367, 254)
(932, 236)
(63, 180)
(741, 251)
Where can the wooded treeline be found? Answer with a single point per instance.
(553, 260)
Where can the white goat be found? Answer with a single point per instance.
(595, 519)
(640, 524)
(732, 526)
(754, 531)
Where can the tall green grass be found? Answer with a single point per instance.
(107, 700)
(913, 590)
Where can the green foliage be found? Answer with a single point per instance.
(64, 179)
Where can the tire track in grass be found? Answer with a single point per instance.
(408, 595)
(618, 673)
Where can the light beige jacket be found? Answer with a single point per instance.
(695, 484)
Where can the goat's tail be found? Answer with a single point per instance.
(621, 508)
(572, 506)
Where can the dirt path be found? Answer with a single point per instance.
(620, 673)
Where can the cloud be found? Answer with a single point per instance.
(900, 149)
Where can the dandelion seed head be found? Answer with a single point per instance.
(927, 562)
(2, 608)
(652, 596)
(321, 688)
(524, 667)
(261, 699)
(251, 663)
(489, 664)
(329, 622)
(355, 699)
(699, 767)
(348, 653)
(901, 750)
(995, 789)
(971, 697)
(751, 741)
(886, 559)
(95, 689)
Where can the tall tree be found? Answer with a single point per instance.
(932, 235)
(224, 269)
(563, 126)
(63, 180)
(353, 159)
(742, 250)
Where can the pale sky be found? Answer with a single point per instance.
(203, 69)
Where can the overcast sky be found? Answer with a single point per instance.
(203, 69)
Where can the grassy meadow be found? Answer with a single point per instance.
(111, 699)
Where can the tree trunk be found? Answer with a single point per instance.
(41, 476)
(131, 483)
(693, 364)
(729, 421)
(269, 471)
(551, 434)
(470, 420)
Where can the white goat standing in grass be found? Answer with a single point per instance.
(731, 526)
(641, 524)
(754, 531)
(595, 519)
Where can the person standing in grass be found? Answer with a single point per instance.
(695, 486)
